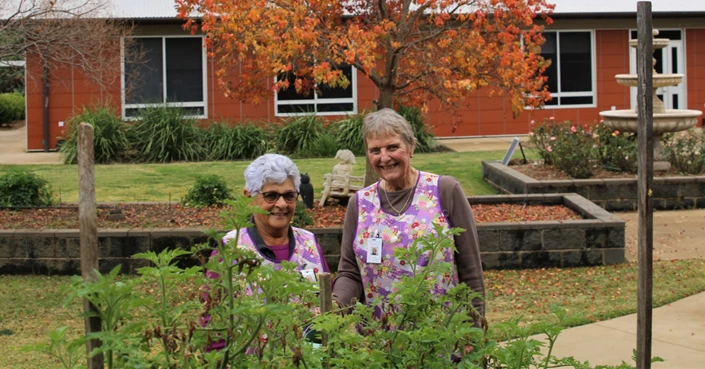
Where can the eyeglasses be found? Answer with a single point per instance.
(272, 197)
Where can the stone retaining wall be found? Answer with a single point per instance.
(596, 240)
(612, 194)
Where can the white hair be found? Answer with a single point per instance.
(273, 168)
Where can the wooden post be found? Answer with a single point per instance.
(644, 52)
(326, 295)
(89, 232)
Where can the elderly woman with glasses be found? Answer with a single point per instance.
(389, 214)
(272, 181)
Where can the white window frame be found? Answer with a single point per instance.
(192, 104)
(316, 100)
(593, 64)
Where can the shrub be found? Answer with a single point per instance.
(110, 141)
(684, 150)
(11, 107)
(325, 146)
(301, 217)
(573, 150)
(209, 190)
(24, 189)
(298, 134)
(570, 147)
(349, 133)
(425, 139)
(617, 151)
(224, 141)
(12, 80)
(541, 137)
(165, 134)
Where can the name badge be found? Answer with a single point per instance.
(309, 275)
(374, 250)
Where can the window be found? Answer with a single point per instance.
(330, 101)
(571, 76)
(171, 70)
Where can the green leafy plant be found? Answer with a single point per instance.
(541, 137)
(229, 141)
(210, 190)
(425, 140)
(348, 132)
(570, 147)
(165, 134)
(325, 146)
(301, 216)
(24, 189)
(12, 80)
(574, 150)
(11, 107)
(685, 151)
(298, 134)
(617, 151)
(110, 141)
(69, 352)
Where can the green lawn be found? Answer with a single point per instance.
(169, 182)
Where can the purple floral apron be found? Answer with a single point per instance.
(398, 231)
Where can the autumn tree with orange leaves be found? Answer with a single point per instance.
(413, 51)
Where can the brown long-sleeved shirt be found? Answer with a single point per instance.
(348, 282)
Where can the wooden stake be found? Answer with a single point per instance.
(645, 134)
(89, 232)
(326, 295)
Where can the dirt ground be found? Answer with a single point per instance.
(677, 234)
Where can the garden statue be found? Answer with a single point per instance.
(346, 159)
(306, 189)
(341, 184)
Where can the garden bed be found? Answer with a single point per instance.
(612, 194)
(572, 232)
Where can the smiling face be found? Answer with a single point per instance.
(279, 213)
(391, 158)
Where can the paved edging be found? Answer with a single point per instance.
(596, 240)
(612, 194)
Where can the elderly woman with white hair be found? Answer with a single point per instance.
(389, 214)
(272, 181)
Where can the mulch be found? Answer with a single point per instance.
(177, 216)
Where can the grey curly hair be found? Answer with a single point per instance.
(270, 168)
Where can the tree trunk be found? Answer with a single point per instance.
(386, 98)
(370, 174)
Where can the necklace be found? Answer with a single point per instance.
(408, 198)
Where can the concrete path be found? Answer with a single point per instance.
(678, 337)
(13, 149)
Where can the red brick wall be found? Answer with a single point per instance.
(69, 91)
(695, 68)
(480, 115)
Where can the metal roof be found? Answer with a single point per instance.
(142, 9)
(166, 9)
(625, 6)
